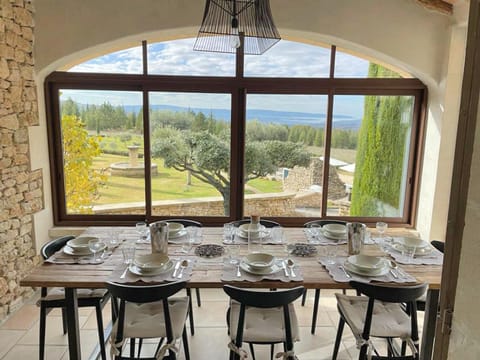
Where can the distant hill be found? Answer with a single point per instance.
(264, 116)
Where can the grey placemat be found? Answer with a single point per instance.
(116, 274)
(434, 258)
(337, 272)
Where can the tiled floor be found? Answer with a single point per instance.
(19, 333)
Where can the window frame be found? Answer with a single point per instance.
(238, 87)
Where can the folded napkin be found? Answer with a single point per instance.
(339, 273)
(130, 277)
(230, 274)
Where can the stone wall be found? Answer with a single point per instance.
(279, 204)
(21, 193)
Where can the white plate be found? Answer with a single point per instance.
(177, 235)
(267, 271)
(377, 272)
(138, 271)
(243, 231)
(80, 252)
(366, 262)
(329, 235)
(418, 251)
(410, 241)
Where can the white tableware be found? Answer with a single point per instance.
(335, 229)
(331, 236)
(265, 271)
(140, 272)
(366, 262)
(177, 236)
(370, 273)
(80, 243)
(151, 262)
(411, 241)
(259, 261)
(76, 252)
(422, 251)
(174, 228)
(243, 231)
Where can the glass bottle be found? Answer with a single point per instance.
(254, 234)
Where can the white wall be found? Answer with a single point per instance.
(398, 32)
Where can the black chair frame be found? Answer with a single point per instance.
(317, 291)
(401, 295)
(264, 300)
(123, 293)
(188, 222)
(46, 306)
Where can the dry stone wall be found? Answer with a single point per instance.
(21, 193)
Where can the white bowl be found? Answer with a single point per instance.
(80, 243)
(335, 229)
(174, 227)
(366, 262)
(259, 260)
(150, 262)
(412, 242)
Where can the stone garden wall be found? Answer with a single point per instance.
(20, 188)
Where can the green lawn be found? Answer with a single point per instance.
(168, 185)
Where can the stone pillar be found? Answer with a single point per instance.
(21, 190)
(133, 154)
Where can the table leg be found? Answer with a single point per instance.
(72, 324)
(429, 323)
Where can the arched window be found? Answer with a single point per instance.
(301, 132)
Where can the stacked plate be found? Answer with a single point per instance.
(367, 265)
(422, 247)
(259, 264)
(243, 231)
(334, 231)
(78, 246)
(176, 231)
(150, 264)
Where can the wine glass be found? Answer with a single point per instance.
(96, 245)
(142, 229)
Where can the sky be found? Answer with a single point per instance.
(285, 59)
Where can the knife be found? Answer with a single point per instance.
(284, 266)
(177, 266)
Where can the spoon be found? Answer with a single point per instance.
(183, 265)
(291, 264)
(394, 266)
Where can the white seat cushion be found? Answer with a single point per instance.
(147, 320)
(57, 293)
(389, 319)
(263, 325)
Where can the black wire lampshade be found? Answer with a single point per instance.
(227, 22)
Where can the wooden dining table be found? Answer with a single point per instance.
(208, 274)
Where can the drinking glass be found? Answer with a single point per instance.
(234, 253)
(191, 236)
(330, 254)
(142, 230)
(112, 239)
(96, 245)
(228, 233)
(409, 253)
(128, 252)
(314, 231)
(381, 228)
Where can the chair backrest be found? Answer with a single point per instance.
(144, 293)
(54, 245)
(394, 294)
(264, 222)
(323, 222)
(185, 222)
(439, 245)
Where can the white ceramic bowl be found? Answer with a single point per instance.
(80, 243)
(412, 242)
(174, 227)
(366, 262)
(335, 229)
(259, 260)
(150, 262)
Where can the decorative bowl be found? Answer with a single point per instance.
(150, 262)
(259, 260)
(80, 243)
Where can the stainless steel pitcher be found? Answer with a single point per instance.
(355, 237)
(159, 237)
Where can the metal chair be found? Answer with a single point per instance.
(252, 312)
(380, 314)
(317, 291)
(188, 222)
(149, 311)
(55, 298)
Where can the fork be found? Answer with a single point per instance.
(345, 271)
